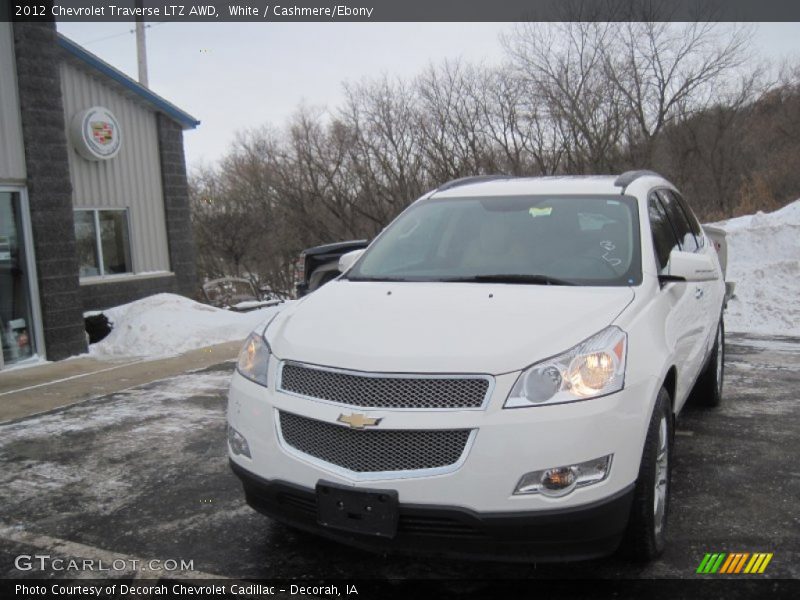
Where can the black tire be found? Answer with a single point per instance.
(708, 389)
(645, 537)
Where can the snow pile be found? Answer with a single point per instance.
(764, 261)
(167, 324)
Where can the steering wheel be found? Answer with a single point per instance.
(573, 260)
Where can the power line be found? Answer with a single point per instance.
(116, 35)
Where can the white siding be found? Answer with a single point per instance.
(12, 153)
(130, 180)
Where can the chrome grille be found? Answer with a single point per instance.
(373, 450)
(371, 391)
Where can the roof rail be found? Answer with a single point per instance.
(628, 177)
(467, 180)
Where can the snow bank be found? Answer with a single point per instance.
(167, 324)
(764, 261)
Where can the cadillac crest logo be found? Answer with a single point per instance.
(96, 134)
(103, 132)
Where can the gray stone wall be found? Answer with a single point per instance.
(101, 296)
(49, 188)
(176, 206)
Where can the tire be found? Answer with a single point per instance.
(708, 389)
(645, 537)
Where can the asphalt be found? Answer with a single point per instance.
(143, 473)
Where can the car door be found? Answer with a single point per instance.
(713, 291)
(683, 327)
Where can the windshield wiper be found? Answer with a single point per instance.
(512, 278)
(374, 278)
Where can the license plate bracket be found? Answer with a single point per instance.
(368, 512)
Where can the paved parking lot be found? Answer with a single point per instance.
(143, 475)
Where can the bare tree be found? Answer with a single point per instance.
(564, 65)
(519, 136)
(448, 121)
(385, 158)
(224, 227)
(668, 71)
(575, 97)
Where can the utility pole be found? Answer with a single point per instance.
(141, 47)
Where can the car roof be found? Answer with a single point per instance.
(523, 186)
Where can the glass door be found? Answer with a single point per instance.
(16, 325)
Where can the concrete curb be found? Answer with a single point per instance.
(49, 387)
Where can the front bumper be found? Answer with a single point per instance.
(507, 444)
(558, 534)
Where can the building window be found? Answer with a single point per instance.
(103, 242)
(16, 324)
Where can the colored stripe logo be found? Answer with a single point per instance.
(734, 563)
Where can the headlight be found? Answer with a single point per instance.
(593, 368)
(254, 359)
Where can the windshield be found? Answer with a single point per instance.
(549, 240)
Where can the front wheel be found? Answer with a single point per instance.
(708, 389)
(645, 536)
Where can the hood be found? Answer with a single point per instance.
(433, 327)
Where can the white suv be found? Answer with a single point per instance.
(497, 375)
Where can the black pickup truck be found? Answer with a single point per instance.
(318, 265)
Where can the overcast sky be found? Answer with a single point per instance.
(233, 76)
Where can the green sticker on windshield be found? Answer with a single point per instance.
(541, 211)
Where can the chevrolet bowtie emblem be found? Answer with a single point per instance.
(358, 421)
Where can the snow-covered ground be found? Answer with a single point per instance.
(168, 324)
(141, 426)
(764, 261)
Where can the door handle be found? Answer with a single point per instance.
(698, 293)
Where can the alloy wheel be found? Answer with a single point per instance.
(662, 469)
(720, 358)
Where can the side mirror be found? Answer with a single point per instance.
(688, 266)
(346, 260)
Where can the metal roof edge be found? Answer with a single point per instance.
(186, 120)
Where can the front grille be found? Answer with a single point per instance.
(373, 450)
(370, 391)
(437, 526)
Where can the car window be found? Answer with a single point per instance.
(664, 240)
(692, 218)
(585, 240)
(680, 223)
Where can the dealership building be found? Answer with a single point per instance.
(94, 207)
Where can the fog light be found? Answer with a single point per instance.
(237, 443)
(560, 481)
